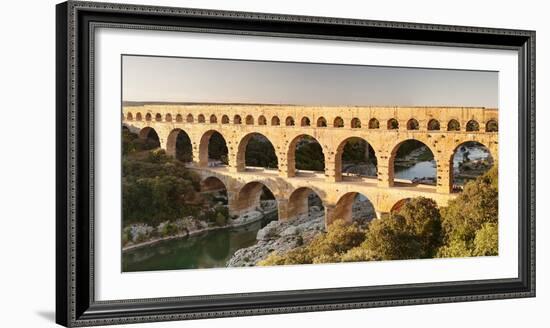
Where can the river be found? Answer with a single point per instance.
(209, 250)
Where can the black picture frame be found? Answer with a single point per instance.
(75, 302)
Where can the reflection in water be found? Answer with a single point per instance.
(420, 170)
(209, 250)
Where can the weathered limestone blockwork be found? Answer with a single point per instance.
(201, 121)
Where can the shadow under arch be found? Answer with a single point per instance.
(263, 155)
(368, 154)
(151, 136)
(348, 209)
(299, 155)
(216, 152)
(249, 197)
(178, 144)
(300, 203)
(418, 169)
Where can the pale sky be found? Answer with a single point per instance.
(167, 79)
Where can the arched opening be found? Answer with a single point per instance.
(158, 117)
(225, 119)
(305, 153)
(249, 120)
(305, 203)
(355, 123)
(216, 189)
(412, 161)
(472, 125)
(338, 122)
(398, 205)
(129, 117)
(353, 207)
(453, 125)
(255, 199)
(470, 160)
(201, 118)
(491, 126)
(262, 120)
(179, 145)
(189, 118)
(374, 124)
(237, 119)
(355, 158)
(150, 138)
(148, 117)
(255, 150)
(179, 118)
(321, 122)
(289, 121)
(305, 121)
(168, 117)
(433, 125)
(412, 124)
(393, 124)
(213, 149)
(138, 117)
(275, 120)
(213, 119)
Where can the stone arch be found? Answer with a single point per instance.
(249, 120)
(374, 124)
(289, 121)
(225, 119)
(421, 168)
(262, 120)
(393, 124)
(491, 126)
(275, 120)
(412, 124)
(291, 154)
(399, 204)
(201, 118)
(338, 122)
(473, 158)
(138, 117)
(148, 117)
(453, 125)
(305, 121)
(151, 136)
(179, 118)
(321, 122)
(344, 209)
(129, 117)
(168, 117)
(212, 183)
(237, 119)
(189, 118)
(355, 123)
(298, 202)
(249, 196)
(472, 125)
(158, 117)
(433, 125)
(205, 151)
(178, 144)
(213, 119)
(370, 156)
(243, 147)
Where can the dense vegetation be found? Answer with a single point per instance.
(468, 226)
(358, 151)
(309, 155)
(260, 153)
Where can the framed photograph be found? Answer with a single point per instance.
(214, 163)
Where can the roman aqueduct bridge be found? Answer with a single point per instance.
(442, 129)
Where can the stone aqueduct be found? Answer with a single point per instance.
(442, 129)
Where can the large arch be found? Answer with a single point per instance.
(349, 150)
(249, 197)
(216, 152)
(299, 203)
(352, 206)
(470, 159)
(303, 152)
(178, 144)
(263, 155)
(150, 136)
(418, 169)
(215, 187)
(398, 205)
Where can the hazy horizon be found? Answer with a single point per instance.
(195, 80)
